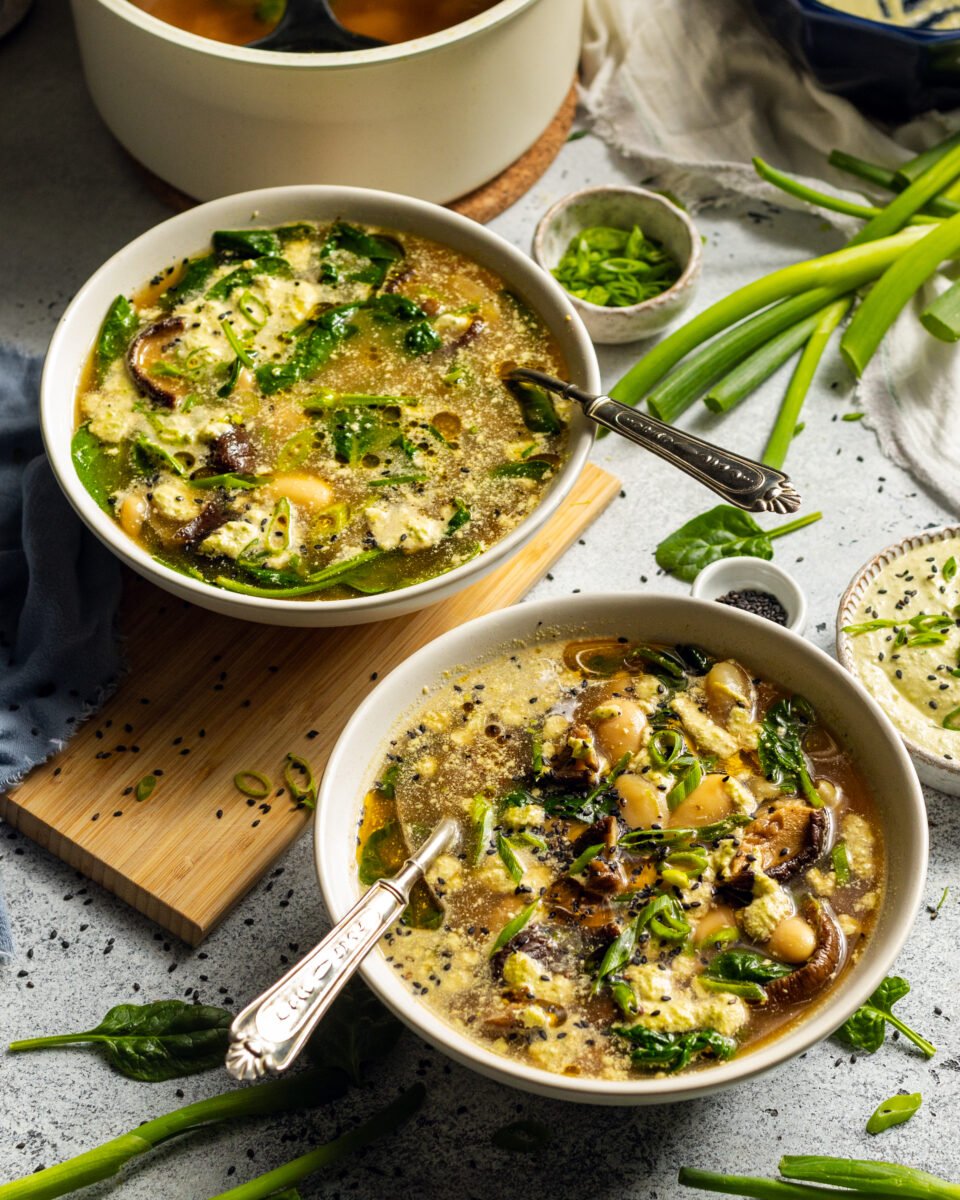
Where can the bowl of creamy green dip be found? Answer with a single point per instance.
(898, 632)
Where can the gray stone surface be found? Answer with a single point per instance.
(69, 198)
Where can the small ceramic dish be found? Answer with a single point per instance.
(622, 208)
(866, 732)
(935, 770)
(744, 573)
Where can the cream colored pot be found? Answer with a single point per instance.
(434, 118)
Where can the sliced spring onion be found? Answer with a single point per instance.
(942, 317)
(688, 781)
(144, 788)
(320, 581)
(509, 858)
(298, 776)
(584, 859)
(481, 829)
(254, 309)
(841, 863)
(296, 449)
(324, 401)
(784, 428)
(230, 480)
(513, 927)
(747, 376)
(742, 988)
(836, 273)
(894, 289)
(253, 784)
(665, 747)
(396, 480)
(894, 1111)
(726, 933)
(236, 345)
(952, 720)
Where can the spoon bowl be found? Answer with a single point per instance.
(310, 26)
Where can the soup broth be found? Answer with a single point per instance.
(242, 21)
(666, 858)
(319, 411)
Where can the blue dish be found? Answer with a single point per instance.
(888, 71)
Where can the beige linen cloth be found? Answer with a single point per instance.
(694, 89)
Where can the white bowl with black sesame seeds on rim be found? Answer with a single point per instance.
(526, 993)
(288, 405)
(898, 632)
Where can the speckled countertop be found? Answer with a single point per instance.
(69, 199)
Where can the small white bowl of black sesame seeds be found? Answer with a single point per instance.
(756, 586)
(898, 633)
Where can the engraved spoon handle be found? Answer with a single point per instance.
(273, 1029)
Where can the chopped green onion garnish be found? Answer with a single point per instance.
(253, 784)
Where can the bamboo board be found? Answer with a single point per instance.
(208, 695)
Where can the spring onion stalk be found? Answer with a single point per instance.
(903, 206)
(836, 273)
(712, 362)
(882, 305)
(942, 317)
(388, 1120)
(753, 370)
(793, 187)
(883, 177)
(303, 1091)
(775, 453)
(869, 1177)
(911, 170)
(749, 1185)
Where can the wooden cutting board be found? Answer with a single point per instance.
(207, 696)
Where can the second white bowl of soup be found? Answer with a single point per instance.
(287, 405)
(691, 845)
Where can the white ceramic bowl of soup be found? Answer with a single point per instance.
(189, 233)
(435, 117)
(778, 655)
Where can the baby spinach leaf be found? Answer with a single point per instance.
(246, 243)
(536, 407)
(191, 283)
(421, 338)
(531, 468)
(245, 276)
(722, 532)
(780, 747)
(394, 569)
(745, 966)
(674, 1051)
(392, 307)
(461, 516)
(382, 854)
(151, 1042)
(387, 787)
(867, 1028)
(119, 326)
(356, 1031)
(357, 241)
(101, 474)
(312, 348)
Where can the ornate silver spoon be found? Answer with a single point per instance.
(739, 480)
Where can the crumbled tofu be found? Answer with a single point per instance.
(743, 800)
(519, 816)
(448, 868)
(555, 725)
(824, 883)
(230, 539)
(523, 971)
(708, 735)
(849, 925)
(176, 500)
(404, 526)
(866, 902)
(743, 727)
(858, 837)
(110, 410)
(673, 1002)
(770, 904)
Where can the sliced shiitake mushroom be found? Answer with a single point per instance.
(577, 761)
(808, 981)
(213, 514)
(232, 451)
(146, 349)
(534, 941)
(780, 841)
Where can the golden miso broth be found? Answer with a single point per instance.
(234, 21)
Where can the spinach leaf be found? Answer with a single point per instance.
(531, 468)
(674, 1051)
(246, 243)
(780, 747)
(387, 786)
(359, 430)
(394, 569)
(191, 283)
(390, 307)
(119, 326)
(382, 854)
(382, 252)
(356, 1031)
(312, 349)
(461, 516)
(745, 966)
(664, 664)
(151, 1042)
(245, 276)
(694, 658)
(421, 338)
(867, 1028)
(149, 457)
(722, 532)
(101, 474)
(536, 407)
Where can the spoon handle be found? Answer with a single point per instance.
(273, 1029)
(740, 481)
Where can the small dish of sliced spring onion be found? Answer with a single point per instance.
(629, 259)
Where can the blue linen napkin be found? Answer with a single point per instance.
(59, 594)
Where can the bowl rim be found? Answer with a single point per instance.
(688, 275)
(335, 869)
(864, 575)
(62, 362)
(852, 21)
(333, 60)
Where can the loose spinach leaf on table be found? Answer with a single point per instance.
(674, 1051)
(356, 1030)
(722, 532)
(780, 747)
(119, 326)
(162, 1040)
(867, 1028)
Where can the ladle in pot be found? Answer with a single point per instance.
(272, 1030)
(740, 481)
(310, 26)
